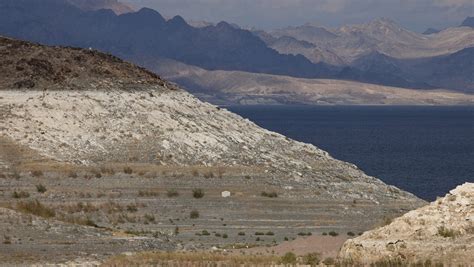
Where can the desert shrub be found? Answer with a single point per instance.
(127, 170)
(149, 218)
(288, 258)
(143, 193)
(132, 208)
(208, 174)
(205, 233)
(20, 194)
(329, 261)
(195, 173)
(324, 233)
(312, 259)
(172, 193)
(241, 233)
(37, 173)
(7, 240)
(259, 233)
(269, 194)
(15, 175)
(36, 208)
(332, 233)
(41, 188)
(220, 172)
(218, 235)
(98, 175)
(79, 221)
(72, 174)
(445, 232)
(350, 234)
(225, 236)
(176, 230)
(305, 234)
(286, 238)
(198, 193)
(269, 233)
(386, 221)
(194, 214)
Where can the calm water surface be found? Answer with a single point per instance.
(424, 150)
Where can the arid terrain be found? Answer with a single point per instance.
(245, 88)
(440, 233)
(99, 157)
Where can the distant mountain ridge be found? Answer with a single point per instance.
(146, 33)
(114, 5)
(468, 22)
(379, 52)
(381, 35)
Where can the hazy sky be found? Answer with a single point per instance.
(269, 14)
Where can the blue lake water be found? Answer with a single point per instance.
(424, 150)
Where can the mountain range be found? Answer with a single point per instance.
(380, 52)
(114, 5)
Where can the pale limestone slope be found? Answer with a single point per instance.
(440, 232)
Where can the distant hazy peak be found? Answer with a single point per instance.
(430, 31)
(90, 5)
(468, 22)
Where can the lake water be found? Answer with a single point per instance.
(424, 150)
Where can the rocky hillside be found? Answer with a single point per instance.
(31, 66)
(442, 232)
(108, 145)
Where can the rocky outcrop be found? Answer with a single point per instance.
(442, 232)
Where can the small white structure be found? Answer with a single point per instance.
(225, 194)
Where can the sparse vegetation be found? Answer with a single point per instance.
(445, 232)
(149, 218)
(144, 193)
(329, 261)
(7, 240)
(241, 233)
(198, 193)
(37, 173)
(269, 233)
(194, 214)
(333, 233)
(127, 170)
(172, 193)
(289, 258)
(312, 259)
(208, 174)
(190, 259)
(305, 234)
(132, 208)
(350, 234)
(20, 194)
(269, 194)
(41, 188)
(36, 208)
